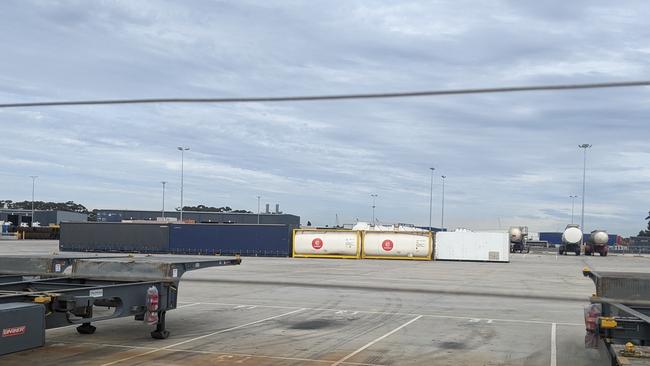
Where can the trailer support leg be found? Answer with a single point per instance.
(160, 332)
(86, 328)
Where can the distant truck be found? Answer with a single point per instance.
(571, 240)
(518, 239)
(597, 243)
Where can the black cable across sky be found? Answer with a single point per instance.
(305, 98)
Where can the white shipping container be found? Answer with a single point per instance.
(327, 243)
(472, 246)
(397, 245)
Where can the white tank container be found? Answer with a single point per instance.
(472, 246)
(599, 237)
(515, 234)
(327, 243)
(397, 245)
(572, 235)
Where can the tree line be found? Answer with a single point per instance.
(77, 207)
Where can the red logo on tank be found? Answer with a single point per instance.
(387, 245)
(317, 243)
(14, 331)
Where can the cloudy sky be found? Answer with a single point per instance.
(510, 159)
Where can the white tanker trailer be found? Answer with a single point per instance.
(597, 243)
(518, 239)
(571, 240)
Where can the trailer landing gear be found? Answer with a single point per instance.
(86, 328)
(160, 332)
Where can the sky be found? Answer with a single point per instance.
(509, 159)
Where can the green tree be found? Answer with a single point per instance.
(646, 232)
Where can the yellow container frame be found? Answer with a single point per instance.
(335, 256)
(429, 256)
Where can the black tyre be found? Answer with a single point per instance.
(163, 334)
(86, 329)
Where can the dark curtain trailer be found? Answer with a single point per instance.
(224, 239)
(114, 237)
(230, 239)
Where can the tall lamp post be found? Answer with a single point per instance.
(374, 196)
(573, 201)
(258, 209)
(182, 149)
(431, 198)
(163, 205)
(33, 187)
(442, 213)
(584, 174)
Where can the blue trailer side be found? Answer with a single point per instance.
(551, 237)
(230, 239)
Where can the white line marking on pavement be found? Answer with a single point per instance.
(523, 321)
(188, 305)
(212, 353)
(201, 337)
(375, 341)
(553, 345)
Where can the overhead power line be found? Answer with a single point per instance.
(301, 98)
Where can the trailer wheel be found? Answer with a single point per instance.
(578, 252)
(163, 334)
(603, 254)
(86, 328)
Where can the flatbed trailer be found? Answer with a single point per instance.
(72, 290)
(618, 319)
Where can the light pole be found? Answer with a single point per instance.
(431, 198)
(163, 206)
(182, 149)
(573, 201)
(374, 196)
(33, 187)
(442, 214)
(258, 209)
(584, 174)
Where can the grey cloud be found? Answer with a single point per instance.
(509, 158)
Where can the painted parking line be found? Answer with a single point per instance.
(375, 341)
(227, 354)
(201, 337)
(441, 316)
(553, 345)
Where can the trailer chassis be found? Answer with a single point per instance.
(115, 287)
(621, 328)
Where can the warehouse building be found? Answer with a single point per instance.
(43, 217)
(199, 217)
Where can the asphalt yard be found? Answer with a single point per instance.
(283, 311)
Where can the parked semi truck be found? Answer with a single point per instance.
(597, 243)
(518, 239)
(571, 240)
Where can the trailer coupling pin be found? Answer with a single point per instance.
(608, 322)
(42, 299)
